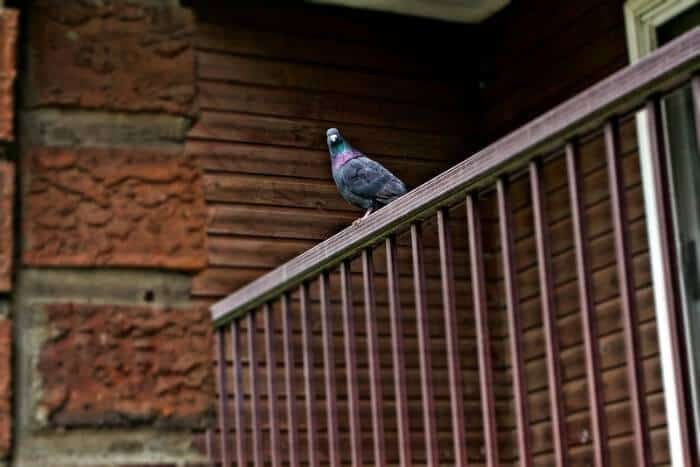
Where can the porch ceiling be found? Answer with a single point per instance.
(463, 11)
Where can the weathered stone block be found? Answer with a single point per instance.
(117, 207)
(8, 45)
(77, 127)
(7, 189)
(119, 365)
(112, 54)
(88, 447)
(5, 387)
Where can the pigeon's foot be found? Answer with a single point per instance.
(357, 221)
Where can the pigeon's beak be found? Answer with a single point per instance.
(333, 138)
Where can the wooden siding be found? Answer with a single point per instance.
(595, 199)
(268, 90)
(606, 307)
(539, 53)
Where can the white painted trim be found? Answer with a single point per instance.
(661, 299)
(642, 17)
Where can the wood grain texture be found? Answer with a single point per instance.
(252, 236)
(618, 93)
(268, 91)
(580, 44)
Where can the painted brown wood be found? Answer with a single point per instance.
(325, 106)
(554, 61)
(426, 376)
(308, 134)
(239, 407)
(484, 347)
(283, 74)
(310, 393)
(292, 422)
(619, 92)
(329, 368)
(254, 393)
(397, 354)
(277, 44)
(588, 320)
(222, 394)
(515, 329)
(451, 337)
(548, 319)
(266, 99)
(627, 301)
(350, 350)
(271, 380)
(374, 362)
(597, 206)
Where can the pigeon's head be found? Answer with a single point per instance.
(336, 143)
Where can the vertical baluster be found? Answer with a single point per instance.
(307, 351)
(668, 266)
(588, 319)
(522, 414)
(398, 363)
(375, 375)
(628, 305)
(292, 423)
(329, 371)
(241, 450)
(549, 318)
(351, 364)
(209, 445)
(423, 327)
(483, 336)
(454, 367)
(223, 396)
(256, 427)
(695, 88)
(275, 448)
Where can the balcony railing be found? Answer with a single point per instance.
(506, 203)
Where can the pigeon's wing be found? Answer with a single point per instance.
(370, 180)
(391, 190)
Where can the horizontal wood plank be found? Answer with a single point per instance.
(338, 109)
(309, 134)
(250, 70)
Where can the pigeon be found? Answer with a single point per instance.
(361, 181)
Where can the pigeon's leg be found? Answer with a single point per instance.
(357, 221)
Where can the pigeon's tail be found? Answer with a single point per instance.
(393, 189)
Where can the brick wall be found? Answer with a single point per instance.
(112, 360)
(8, 40)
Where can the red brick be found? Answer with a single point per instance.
(7, 189)
(118, 207)
(5, 387)
(121, 365)
(8, 45)
(112, 55)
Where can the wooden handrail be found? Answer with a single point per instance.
(622, 92)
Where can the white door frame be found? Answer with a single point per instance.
(642, 17)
